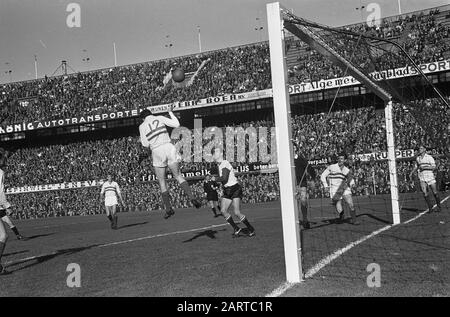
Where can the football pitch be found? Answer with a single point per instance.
(194, 254)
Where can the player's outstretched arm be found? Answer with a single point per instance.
(119, 193)
(351, 180)
(172, 121)
(102, 194)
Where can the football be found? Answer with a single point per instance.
(178, 75)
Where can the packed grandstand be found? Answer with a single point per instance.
(56, 170)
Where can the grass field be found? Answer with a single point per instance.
(193, 254)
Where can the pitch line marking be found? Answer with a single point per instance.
(281, 289)
(330, 258)
(31, 258)
(160, 235)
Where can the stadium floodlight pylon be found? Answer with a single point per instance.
(280, 19)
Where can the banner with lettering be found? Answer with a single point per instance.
(200, 174)
(228, 99)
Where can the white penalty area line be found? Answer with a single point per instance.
(31, 258)
(330, 258)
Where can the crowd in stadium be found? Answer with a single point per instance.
(145, 196)
(357, 131)
(422, 37)
(232, 70)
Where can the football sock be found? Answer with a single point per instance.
(166, 200)
(16, 232)
(215, 211)
(110, 218)
(353, 214)
(2, 247)
(438, 200)
(232, 223)
(247, 223)
(429, 204)
(185, 186)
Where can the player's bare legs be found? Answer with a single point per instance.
(225, 205)
(242, 217)
(184, 184)
(340, 210)
(3, 239)
(213, 205)
(109, 214)
(11, 225)
(114, 216)
(349, 200)
(436, 196)
(424, 189)
(161, 176)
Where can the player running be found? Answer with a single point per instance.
(339, 180)
(212, 197)
(302, 170)
(110, 191)
(4, 206)
(232, 193)
(154, 135)
(425, 165)
(12, 226)
(3, 239)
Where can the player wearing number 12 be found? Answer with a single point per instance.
(154, 135)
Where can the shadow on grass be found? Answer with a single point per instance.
(207, 233)
(32, 261)
(133, 225)
(38, 236)
(14, 253)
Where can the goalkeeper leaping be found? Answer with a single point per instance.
(339, 180)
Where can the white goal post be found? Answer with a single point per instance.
(286, 168)
(282, 114)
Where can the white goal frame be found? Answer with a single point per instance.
(286, 168)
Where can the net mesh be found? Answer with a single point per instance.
(414, 251)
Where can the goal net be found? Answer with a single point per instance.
(367, 104)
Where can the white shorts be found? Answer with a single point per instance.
(164, 155)
(336, 193)
(4, 204)
(427, 179)
(110, 201)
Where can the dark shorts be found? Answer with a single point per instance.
(232, 192)
(212, 197)
(2, 213)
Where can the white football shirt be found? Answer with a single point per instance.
(153, 131)
(110, 189)
(231, 178)
(426, 165)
